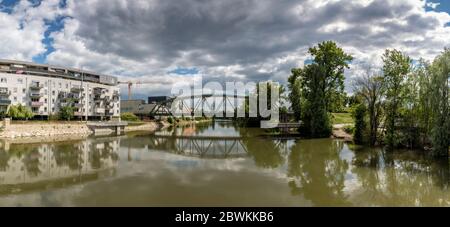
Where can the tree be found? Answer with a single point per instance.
(66, 112)
(360, 124)
(396, 67)
(370, 88)
(320, 82)
(294, 85)
(20, 112)
(440, 105)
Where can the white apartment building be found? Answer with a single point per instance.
(45, 89)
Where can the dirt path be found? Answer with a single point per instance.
(339, 132)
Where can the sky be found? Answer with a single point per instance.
(168, 41)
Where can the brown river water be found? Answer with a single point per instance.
(216, 164)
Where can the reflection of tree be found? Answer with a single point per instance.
(402, 178)
(97, 155)
(265, 153)
(31, 161)
(318, 172)
(68, 154)
(4, 158)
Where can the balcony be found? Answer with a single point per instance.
(37, 104)
(100, 111)
(4, 92)
(36, 86)
(36, 95)
(78, 105)
(76, 89)
(5, 102)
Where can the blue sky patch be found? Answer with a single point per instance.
(52, 26)
(7, 5)
(185, 71)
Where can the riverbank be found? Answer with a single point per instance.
(340, 133)
(30, 129)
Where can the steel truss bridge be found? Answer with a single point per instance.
(221, 106)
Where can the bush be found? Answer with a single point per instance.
(66, 113)
(19, 112)
(54, 117)
(349, 130)
(170, 120)
(360, 123)
(129, 117)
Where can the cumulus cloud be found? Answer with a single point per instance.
(242, 40)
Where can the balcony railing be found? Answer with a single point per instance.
(37, 104)
(5, 102)
(100, 111)
(78, 105)
(36, 86)
(4, 91)
(76, 89)
(36, 95)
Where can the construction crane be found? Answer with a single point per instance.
(131, 83)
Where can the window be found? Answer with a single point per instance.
(15, 90)
(3, 80)
(53, 93)
(46, 100)
(60, 85)
(24, 90)
(20, 81)
(45, 109)
(15, 98)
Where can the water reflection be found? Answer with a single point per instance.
(221, 165)
(38, 166)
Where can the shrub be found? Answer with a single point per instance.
(170, 120)
(129, 117)
(66, 113)
(19, 112)
(360, 123)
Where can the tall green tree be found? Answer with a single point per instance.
(440, 105)
(320, 82)
(396, 67)
(294, 85)
(371, 88)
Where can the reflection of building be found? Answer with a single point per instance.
(46, 89)
(29, 164)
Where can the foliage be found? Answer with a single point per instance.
(370, 88)
(66, 113)
(440, 105)
(396, 67)
(360, 123)
(129, 117)
(20, 112)
(170, 120)
(342, 118)
(316, 85)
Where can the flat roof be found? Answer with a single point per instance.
(25, 63)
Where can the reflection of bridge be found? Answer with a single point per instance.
(200, 146)
(220, 105)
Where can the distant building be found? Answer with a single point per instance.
(157, 99)
(138, 108)
(45, 89)
(130, 106)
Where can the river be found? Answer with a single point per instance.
(216, 164)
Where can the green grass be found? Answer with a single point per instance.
(342, 118)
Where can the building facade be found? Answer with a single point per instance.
(46, 89)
